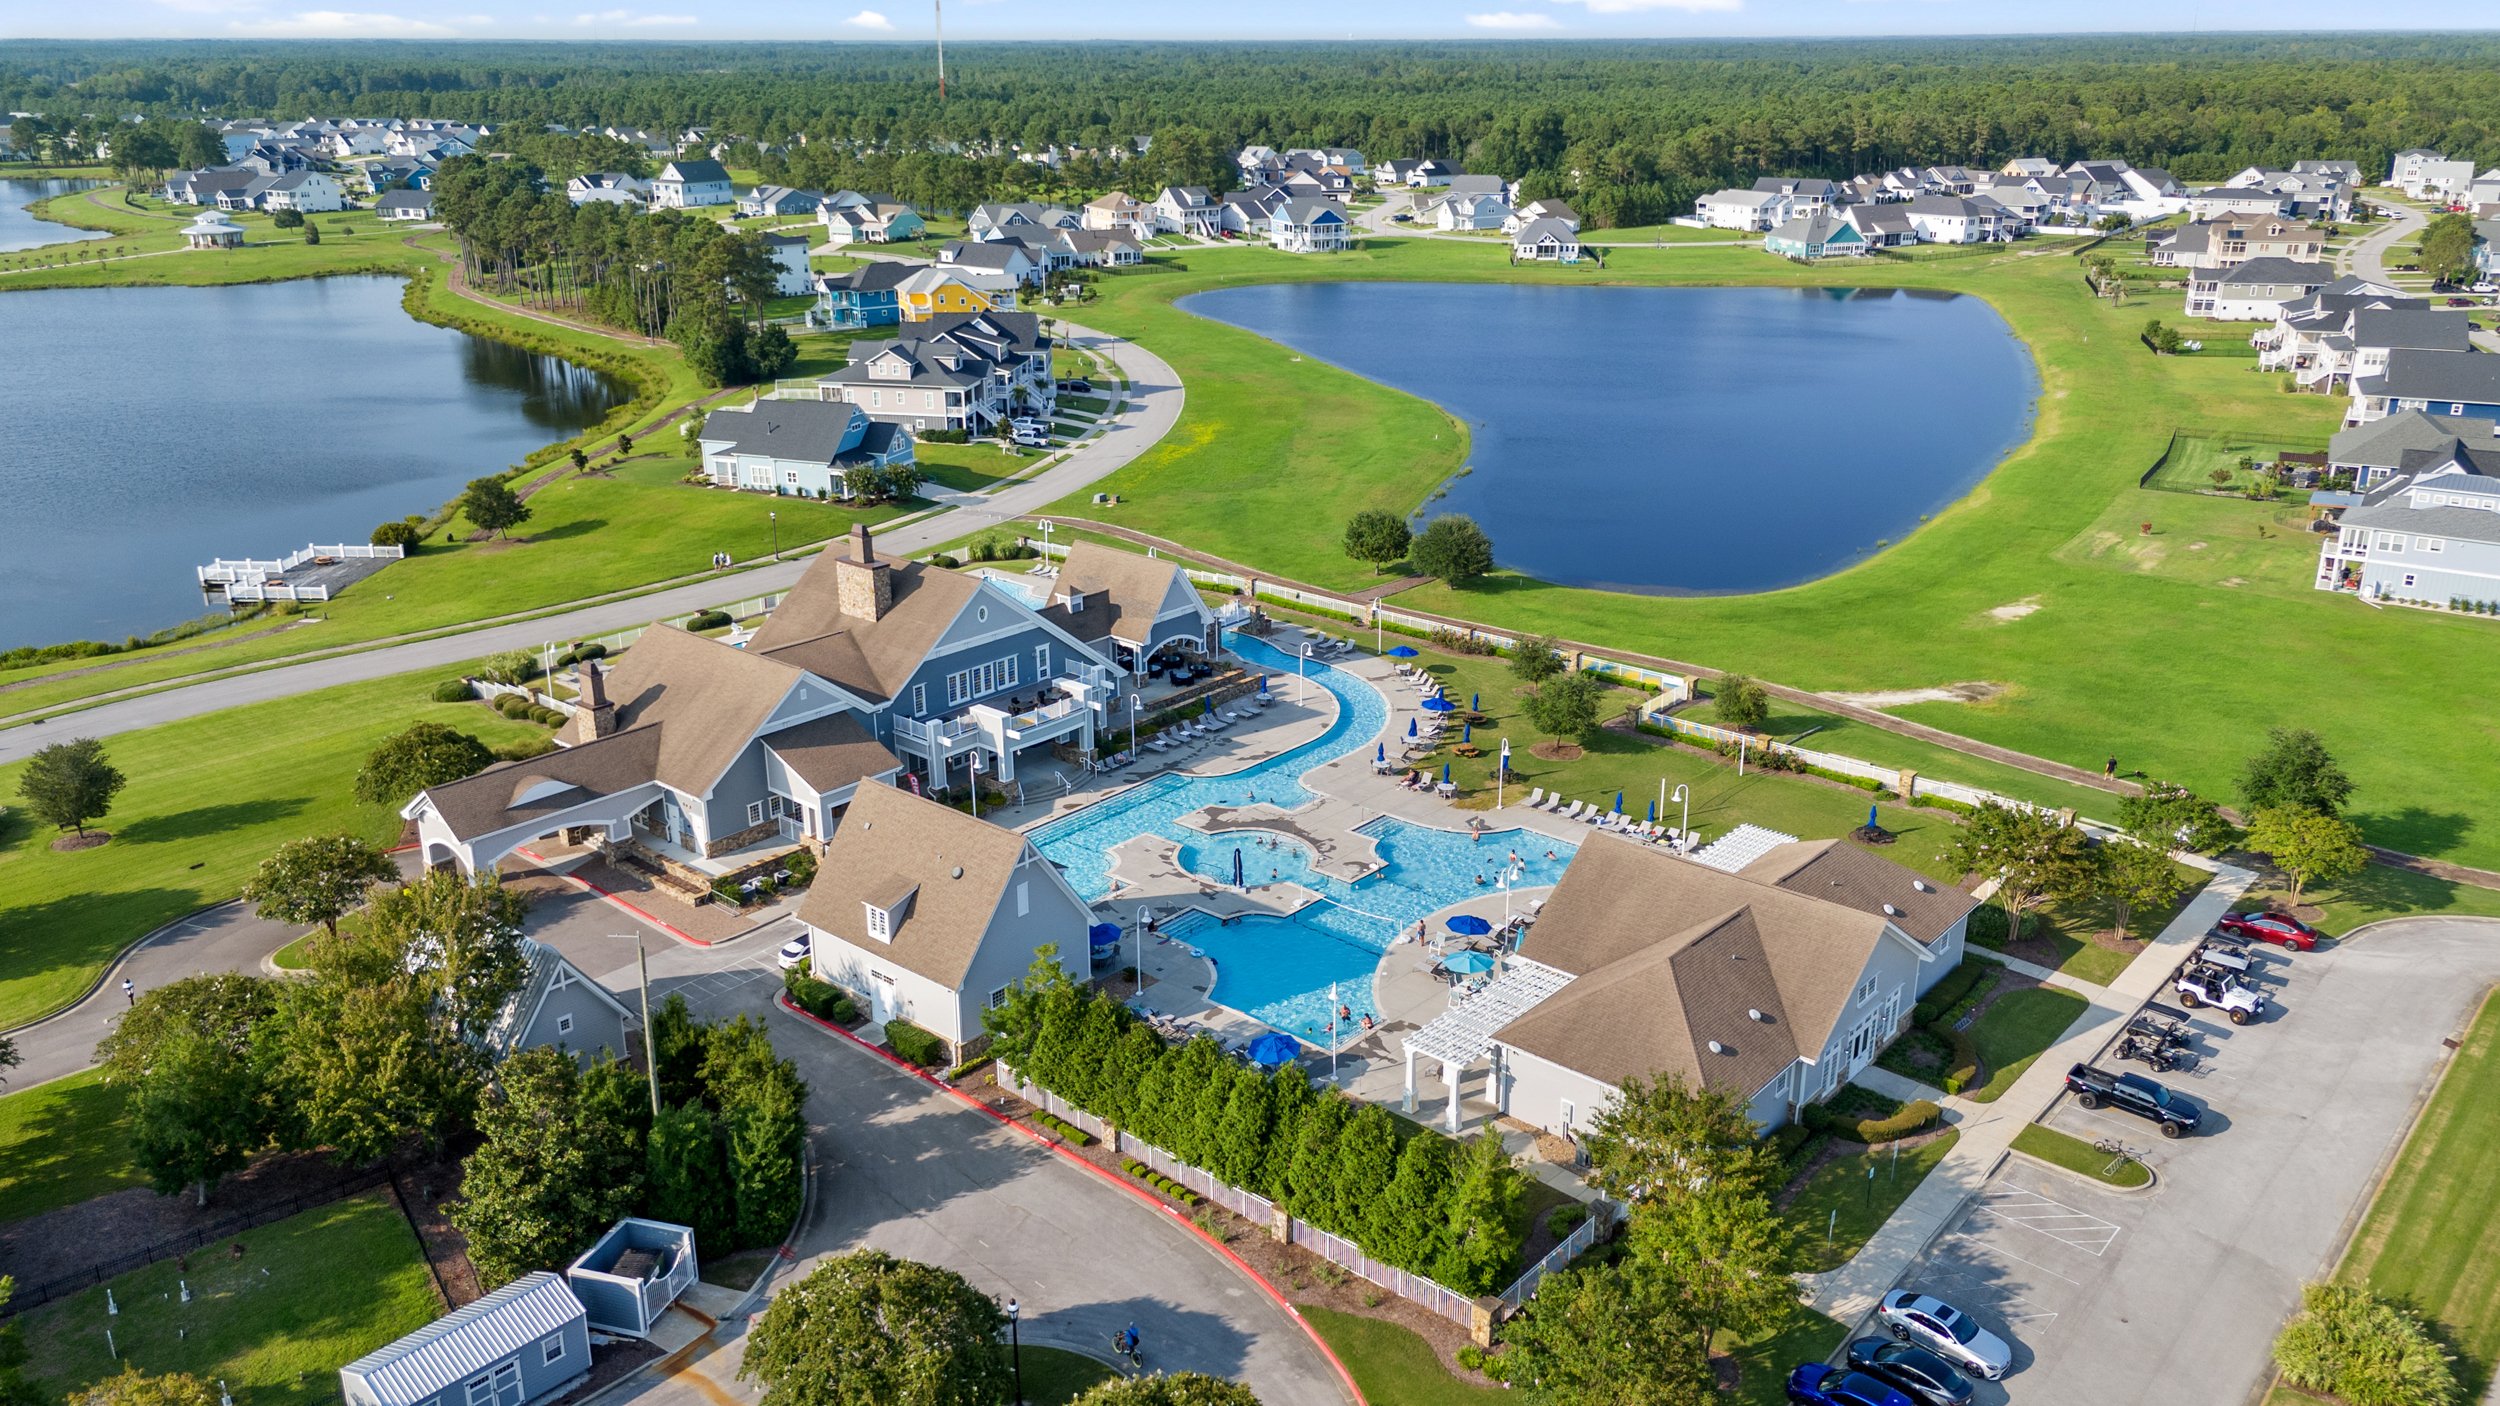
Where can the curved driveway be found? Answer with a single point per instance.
(1154, 389)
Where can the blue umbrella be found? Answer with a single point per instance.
(1469, 963)
(1273, 1049)
(1475, 703)
(1410, 727)
(1237, 883)
(1383, 754)
(1439, 705)
(1870, 815)
(1104, 932)
(1209, 700)
(1262, 685)
(1469, 925)
(1618, 803)
(1467, 733)
(1400, 651)
(1445, 773)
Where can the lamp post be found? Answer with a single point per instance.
(1298, 661)
(1045, 539)
(1685, 794)
(775, 519)
(1135, 705)
(1015, 1348)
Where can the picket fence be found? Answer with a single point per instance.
(1258, 1210)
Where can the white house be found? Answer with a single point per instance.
(1186, 210)
(1119, 212)
(612, 187)
(2254, 291)
(1754, 210)
(1549, 241)
(684, 185)
(1470, 212)
(806, 448)
(305, 192)
(791, 277)
(1549, 209)
(404, 205)
(1310, 225)
(1954, 219)
(927, 915)
(778, 200)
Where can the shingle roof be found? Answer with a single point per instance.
(832, 752)
(2273, 271)
(546, 967)
(2381, 444)
(2457, 376)
(2437, 330)
(1121, 589)
(873, 657)
(956, 870)
(491, 800)
(694, 172)
(1548, 227)
(457, 1345)
(705, 698)
(809, 431)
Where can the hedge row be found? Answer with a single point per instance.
(914, 1044)
(1948, 993)
(1915, 1116)
(1160, 1182)
(1068, 1132)
(821, 999)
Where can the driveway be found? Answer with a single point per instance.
(2175, 1294)
(1155, 396)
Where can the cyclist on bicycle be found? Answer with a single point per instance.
(1128, 1340)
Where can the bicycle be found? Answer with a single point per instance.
(1132, 1352)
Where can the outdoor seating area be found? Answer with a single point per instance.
(1212, 722)
(1611, 820)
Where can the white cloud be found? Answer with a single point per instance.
(1512, 19)
(210, 7)
(631, 19)
(870, 19)
(345, 24)
(1634, 7)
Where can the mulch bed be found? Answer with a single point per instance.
(424, 1193)
(1302, 1277)
(70, 844)
(1557, 751)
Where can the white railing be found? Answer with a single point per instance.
(1414, 1288)
(1572, 1247)
(1047, 713)
(486, 689)
(229, 569)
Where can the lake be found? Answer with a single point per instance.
(19, 229)
(1680, 441)
(146, 431)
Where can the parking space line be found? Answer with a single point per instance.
(2076, 1229)
(1994, 1248)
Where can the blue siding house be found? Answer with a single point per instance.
(864, 297)
(2452, 383)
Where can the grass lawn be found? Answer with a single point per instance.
(309, 1295)
(969, 468)
(2382, 891)
(1836, 1211)
(1392, 1365)
(2013, 1031)
(61, 1143)
(1764, 1361)
(2193, 459)
(2161, 647)
(1055, 1375)
(2075, 1155)
(2430, 1238)
(208, 799)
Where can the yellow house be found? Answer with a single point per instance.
(937, 292)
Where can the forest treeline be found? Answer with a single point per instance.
(1630, 128)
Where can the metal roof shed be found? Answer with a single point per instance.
(631, 1276)
(525, 1342)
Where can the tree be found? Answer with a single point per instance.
(288, 219)
(1727, 1253)
(689, 1173)
(132, 1387)
(551, 1174)
(2034, 859)
(2173, 818)
(225, 1006)
(1565, 705)
(491, 506)
(70, 783)
(312, 232)
(1617, 1334)
(2448, 248)
(427, 754)
(767, 1135)
(318, 880)
(2364, 1350)
(581, 456)
(2306, 845)
(867, 1329)
(1486, 1193)
(1377, 536)
(1453, 549)
(15, 1390)
(1656, 1138)
(199, 1114)
(1740, 703)
(2295, 769)
(1535, 659)
(2163, 338)
(1180, 1389)
(770, 353)
(2139, 876)
(1404, 1225)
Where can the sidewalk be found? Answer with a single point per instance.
(1851, 1291)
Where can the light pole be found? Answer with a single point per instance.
(775, 519)
(1045, 539)
(1685, 794)
(1015, 1348)
(1134, 706)
(1298, 661)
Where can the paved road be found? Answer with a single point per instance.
(1156, 395)
(912, 1171)
(2368, 256)
(2176, 1294)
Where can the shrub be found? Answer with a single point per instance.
(944, 562)
(511, 705)
(1456, 642)
(1067, 1132)
(1962, 1070)
(548, 716)
(802, 867)
(2364, 1350)
(1790, 1139)
(707, 620)
(1951, 989)
(1915, 1116)
(1988, 926)
(1944, 803)
(397, 534)
(454, 691)
(1562, 1220)
(516, 667)
(913, 1044)
(525, 748)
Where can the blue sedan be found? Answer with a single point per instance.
(1821, 1384)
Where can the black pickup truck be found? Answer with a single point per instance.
(2137, 1095)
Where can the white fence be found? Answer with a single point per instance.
(252, 578)
(1414, 1288)
(1888, 777)
(1572, 1247)
(490, 690)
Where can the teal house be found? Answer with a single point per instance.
(1815, 236)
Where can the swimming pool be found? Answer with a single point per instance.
(1279, 970)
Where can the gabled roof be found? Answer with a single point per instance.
(705, 698)
(2455, 376)
(1121, 589)
(832, 752)
(2437, 330)
(694, 172)
(548, 971)
(874, 658)
(468, 1339)
(808, 431)
(946, 871)
(2381, 444)
(1309, 210)
(2278, 271)
(875, 276)
(515, 793)
(1547, 227)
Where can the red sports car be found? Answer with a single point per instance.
(2271, 927)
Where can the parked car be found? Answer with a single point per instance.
(793, 953)
(1946, 1331)
(2200, 985)
(1401, 218)
(2175, 1116)
(1080, 385)
(2487, 286)
(2271, 927)
(1822, 1384)
(2460, 302)
(1911, 1369)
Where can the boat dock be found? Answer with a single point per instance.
(315, 573)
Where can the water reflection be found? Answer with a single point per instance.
(20, 230)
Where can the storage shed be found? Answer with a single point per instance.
(628, 1279)
(525, 1342)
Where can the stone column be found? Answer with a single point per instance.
(1450, 1071)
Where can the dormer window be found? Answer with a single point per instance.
(1076, 600)
(880, 922)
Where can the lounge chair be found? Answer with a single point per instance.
(1574, 812)
(1536, 798)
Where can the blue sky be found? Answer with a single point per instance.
(892, 20)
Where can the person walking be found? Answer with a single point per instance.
(130, 991)
(2109, 769)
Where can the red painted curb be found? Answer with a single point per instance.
(1056, 1148)
(682, 936)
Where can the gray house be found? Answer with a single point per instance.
(801, 448)
(2430, 534)
(2375, 452)
(525, 1342)
(1776, 980)
(559, 1006)
(1126, 607)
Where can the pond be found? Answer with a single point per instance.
(20, 230)
(146, 431)
(1680, 441)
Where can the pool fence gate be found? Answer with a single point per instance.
(1477, 1315)
(1666, 687)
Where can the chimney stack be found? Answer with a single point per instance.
(598, 714)
(863, 587)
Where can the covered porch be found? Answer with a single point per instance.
(986, 739)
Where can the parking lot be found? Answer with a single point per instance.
(2175, 1293)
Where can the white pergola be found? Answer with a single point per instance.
(1463, 1034)
(1739, 847)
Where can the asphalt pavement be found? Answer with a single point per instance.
(1156, 398)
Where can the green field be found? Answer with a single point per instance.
(208, 799)
(2192, 460)
(2164, 647)
(1840, 1207)
(1392, 1365)
(2430, 1238)
(308, 1296)
(62, 1142)
(2014, 1030)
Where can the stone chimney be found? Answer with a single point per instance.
(597, 713)
(863, 587)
